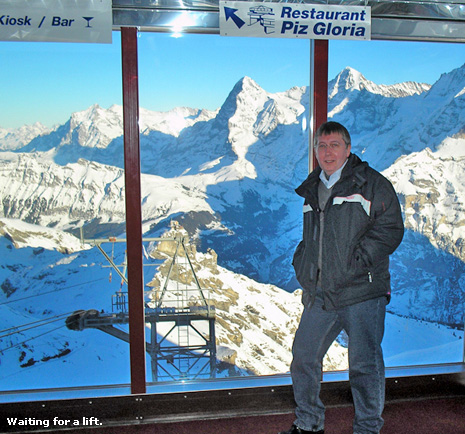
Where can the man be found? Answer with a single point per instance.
(352, 223)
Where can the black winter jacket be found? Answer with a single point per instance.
(362, 226)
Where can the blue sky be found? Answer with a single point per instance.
(46, 82)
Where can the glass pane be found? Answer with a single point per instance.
(62, 181)
(404, 106)
(224, 143)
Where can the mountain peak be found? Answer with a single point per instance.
(13, 139)
(353, 77)
(349, 79)
(247, 83)
(245, 91)
(246, 86)
(96, 126)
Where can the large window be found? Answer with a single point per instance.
(405, 111)
(221, 160)
(61, 185)
(224, 142)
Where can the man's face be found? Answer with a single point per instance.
(331, 152)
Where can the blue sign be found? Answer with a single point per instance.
(56, 20)
(290, 20)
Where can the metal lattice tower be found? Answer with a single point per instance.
(179, 314)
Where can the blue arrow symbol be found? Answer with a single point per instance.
(231, 13)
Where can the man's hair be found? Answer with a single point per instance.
(330, 128)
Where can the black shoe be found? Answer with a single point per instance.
(296, 430)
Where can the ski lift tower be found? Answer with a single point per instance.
(181, 317)
(183, 329)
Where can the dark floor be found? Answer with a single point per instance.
(430, 416)
(429, 404)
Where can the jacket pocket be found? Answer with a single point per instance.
(358, 260)
(303, 268)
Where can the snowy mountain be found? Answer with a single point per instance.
(22, 235)
(255, 323)
(85, 193)
(232, 160)
(228, 159)
(433, 198)
(240, 164)
(383, 128)
(352, 80)
(228, 178)
(12, 139)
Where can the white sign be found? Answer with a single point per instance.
(291, 20)
(56, 20)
